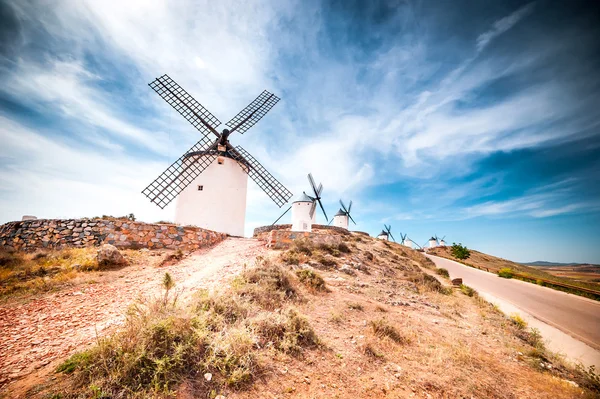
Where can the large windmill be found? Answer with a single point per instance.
(210, 179)
(386, 233)
(304, 208)
(340, 219)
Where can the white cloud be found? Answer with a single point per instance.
(503, 25)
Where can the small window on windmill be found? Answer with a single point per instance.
(304, 226)
(220, 160)
(200, 188)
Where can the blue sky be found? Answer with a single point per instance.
(470, 119)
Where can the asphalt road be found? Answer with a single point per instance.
(576, 316)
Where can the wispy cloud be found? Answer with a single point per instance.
(503, 25)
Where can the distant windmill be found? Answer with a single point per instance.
(403, 238)
(386, 233)
(341, 218)
(212, 194)
(442, 242)
(433, 242)
(304, 208)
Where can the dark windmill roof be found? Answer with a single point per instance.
(341, 213)
(303, 198)
(229, 153)
(432, 238)
(383, 233)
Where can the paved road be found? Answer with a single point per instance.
(577, 316)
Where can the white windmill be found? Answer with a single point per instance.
(432, 242)
(442, 242)
(386, 233)
(304, 208)
(210, 179)
(341, 218)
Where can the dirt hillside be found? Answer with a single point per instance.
(363, 319)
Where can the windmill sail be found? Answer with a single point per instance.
(180, 174)
(254, 112)
(269, 184)
(185, 104)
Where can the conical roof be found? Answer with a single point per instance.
(340, 213)
(383, 233)
(303, 198)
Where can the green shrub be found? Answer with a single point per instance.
(459, 251)
(311, 279)
(443, 272)
(506, 272)
(518, 321)
(290, 257)
(468, 291)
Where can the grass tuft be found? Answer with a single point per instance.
(312, 280)
(382, 328)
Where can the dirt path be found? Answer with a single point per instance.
(45, 330)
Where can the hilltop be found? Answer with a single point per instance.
(356, 318)
(494, 264)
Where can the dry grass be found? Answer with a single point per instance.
(431, 343)
(162, 345)
(312, 280)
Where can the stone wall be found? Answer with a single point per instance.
(281, 239)
(61, 233)
(259, 232)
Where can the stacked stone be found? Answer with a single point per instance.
(281, 239)
(60, 233)
(260, 232)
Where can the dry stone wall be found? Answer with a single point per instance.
(281, 239)
(63, 233)
(261, 232)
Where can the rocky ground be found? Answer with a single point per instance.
(40, 331)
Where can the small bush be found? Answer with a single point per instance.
(290, 257)
(312, 280)
(304, 246)
(518, 321)
(267, 284)
(326, 261)
(443, 272)
(342, 247)
(459, 251)
(506, 272)
(381, 328)
(425, 282)
(355, 306)
(468, 291)
(370, 350)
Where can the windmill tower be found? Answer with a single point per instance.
(304, 208)
(432, 242)
(442, 242)
(386, 233)
(210, 179)
(341, 218)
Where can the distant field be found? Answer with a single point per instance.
(587, 276)
(585, 273)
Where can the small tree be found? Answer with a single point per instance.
(459, 251)
(131, 217)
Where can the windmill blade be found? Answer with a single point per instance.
(281, 216)
(343, 207)
(180, 174)
(351, 218)
(329, 222)
(185, 104)
(269, 184)
(390, 233)
(313, 206)
(312, 184)
(320, 190)
(254, 112)
(349, 206)
(323, 209)
(443, 238)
